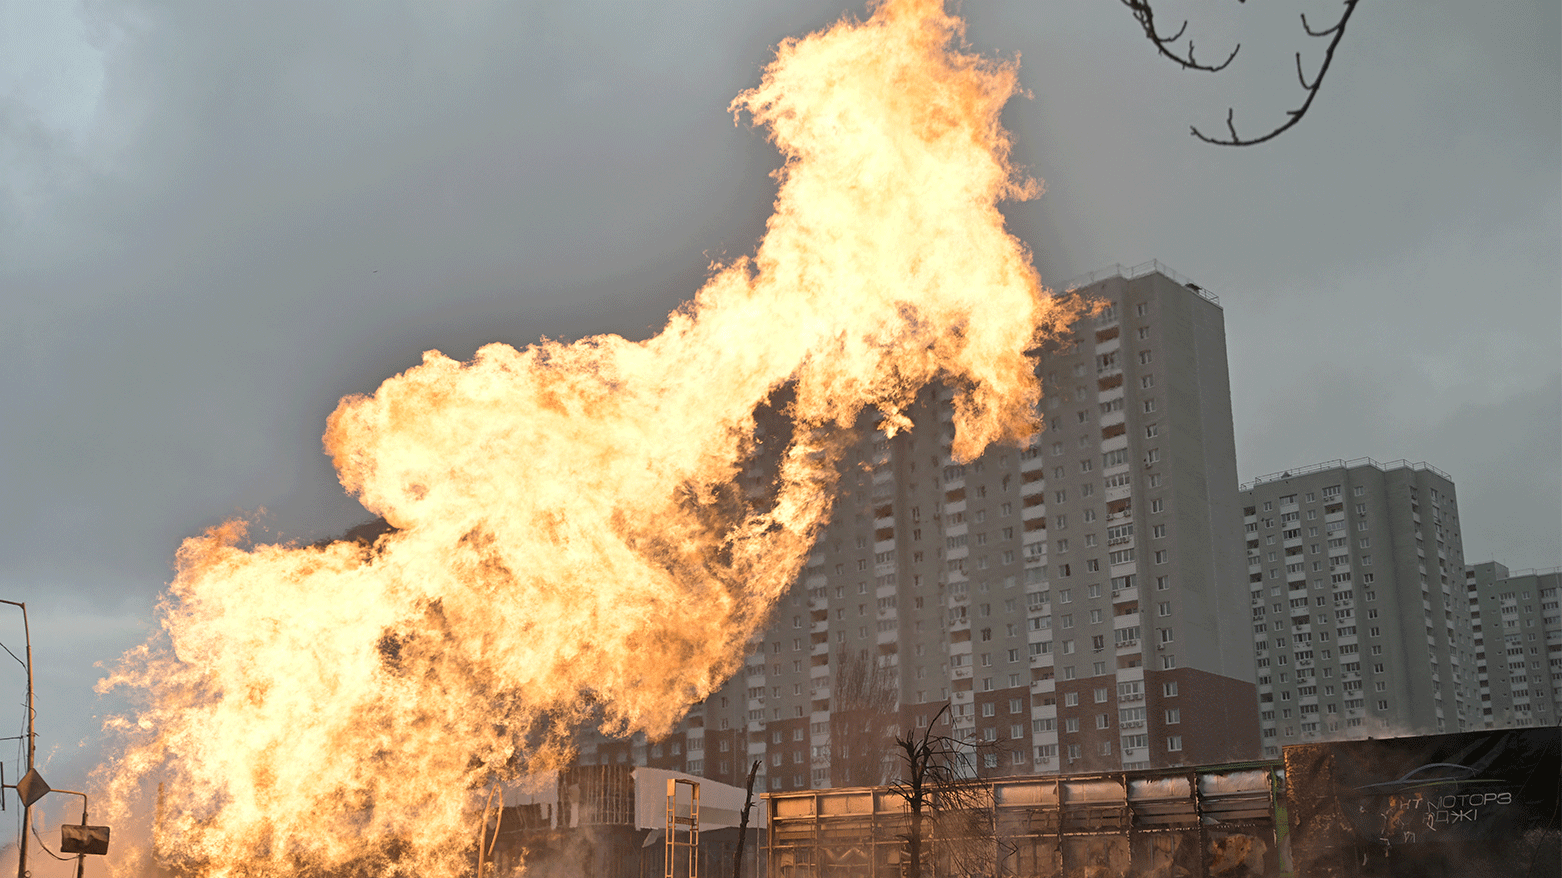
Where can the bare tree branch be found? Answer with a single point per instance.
(866, 695)
(1337, 32)
(940, 784)
(1145, 15)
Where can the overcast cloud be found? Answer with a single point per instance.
(216, 219)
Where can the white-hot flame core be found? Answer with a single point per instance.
(569, 546)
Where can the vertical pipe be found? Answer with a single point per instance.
(81, 859)
(32, 735)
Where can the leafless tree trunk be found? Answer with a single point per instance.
(748, 802)
(942, 793)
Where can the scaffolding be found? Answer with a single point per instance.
(683, 829)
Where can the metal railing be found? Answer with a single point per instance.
(1421, 466)
(1154, 266)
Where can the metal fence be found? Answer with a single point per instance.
(1211, 821)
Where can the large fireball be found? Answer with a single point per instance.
(568, 543)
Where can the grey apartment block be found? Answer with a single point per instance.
(1518, 642)
(1360, 623)
(1078, 602)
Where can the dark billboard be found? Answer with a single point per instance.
(1474, 803)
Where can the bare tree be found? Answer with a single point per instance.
(943, 793)
(866, 695)
(748, 803)
(1167, 44)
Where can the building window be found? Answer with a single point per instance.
(1174, 744)
(1169, 690)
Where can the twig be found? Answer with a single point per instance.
(1145, 15)
(1338, 32)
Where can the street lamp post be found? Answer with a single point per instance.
(32, 740)
(80, 840)
(81, 858)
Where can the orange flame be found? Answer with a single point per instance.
(569, 546)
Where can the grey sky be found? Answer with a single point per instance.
(218, 218)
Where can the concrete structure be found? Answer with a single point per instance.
(1078, 602)
(610, 821)
(1359, 621)
(1518, 644)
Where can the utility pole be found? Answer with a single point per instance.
(32, 740)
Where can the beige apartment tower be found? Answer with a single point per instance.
(1518, 644)
(1361, 623)
(1080, 603)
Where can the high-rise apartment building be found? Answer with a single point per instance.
(1518, 644)
(1359, 621)
(1078, 603)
